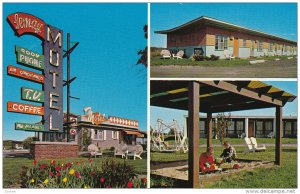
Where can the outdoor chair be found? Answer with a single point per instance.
(165, 54)
(228, 55)
(94, 150)
(136, 152)
(249, 146)
(242, 135)
(254, 143)
(270, 135)
(179, 55)
(121, 150)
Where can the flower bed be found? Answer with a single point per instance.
(81, 174)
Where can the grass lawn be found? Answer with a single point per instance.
(284, 176)
(12, 166)
(158, 61)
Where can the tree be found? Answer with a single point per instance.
(144, 53)
(222, 124)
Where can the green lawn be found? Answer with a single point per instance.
(12, 166)
(158, 61)
(284, 176)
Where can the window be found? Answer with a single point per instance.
(268, 127)
(259, 129)
(239, 127)
(202, 128)
(259, 46)
(288, 128)
(99, 134)
(244, 43)
(115, 135)
(230, 131)
(221, 42)
(270, 47)
(295, 128)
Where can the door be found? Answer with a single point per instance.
(251, 128)
(236, 47)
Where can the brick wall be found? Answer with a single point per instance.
(53, 150)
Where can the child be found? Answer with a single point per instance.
(229, 153)
(206, 160)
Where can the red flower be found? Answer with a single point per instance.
(53, 162)
(93, 173)
(58, 174)
(51, 174)
(144, 180)
(90, 160)
(129, 184)
(102, 180)
(107, 186)
(69, 164)
(34, 162)
(77, 174)
(64, 168)
(57, 168)
(43, 166)
(77, 163)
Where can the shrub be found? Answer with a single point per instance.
(207, 58)
(83, 174)
(28, 141)
(198, 57)
(214, 57)
(117, 174)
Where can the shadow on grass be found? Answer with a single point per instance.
(168, 182)
(289, 150)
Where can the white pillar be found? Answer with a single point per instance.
(246, 126)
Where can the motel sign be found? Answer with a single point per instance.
(50, 63)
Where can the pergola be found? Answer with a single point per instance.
(213, 97)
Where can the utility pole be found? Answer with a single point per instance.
(68, 81)
(68, 85)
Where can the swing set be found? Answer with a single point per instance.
(159, 133)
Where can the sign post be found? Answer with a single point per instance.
(51, 65)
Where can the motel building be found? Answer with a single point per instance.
(255, 126)
(208, 36)
(104, 132)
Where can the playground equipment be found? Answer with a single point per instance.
(161, 130)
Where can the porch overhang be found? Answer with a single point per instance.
(217, 96)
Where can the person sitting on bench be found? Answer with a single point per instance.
(229, 153)
(207, 161)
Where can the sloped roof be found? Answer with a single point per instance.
(204, 20)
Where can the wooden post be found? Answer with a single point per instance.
(278, 135)
(193, 134)
(209, 129)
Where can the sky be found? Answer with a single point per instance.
(290, 108)
(279, 19)
(108, 79)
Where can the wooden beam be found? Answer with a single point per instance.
(242, 84)
(278, 135)
(263, 90)
(193, 134)
(209, 129)
(243, 92)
